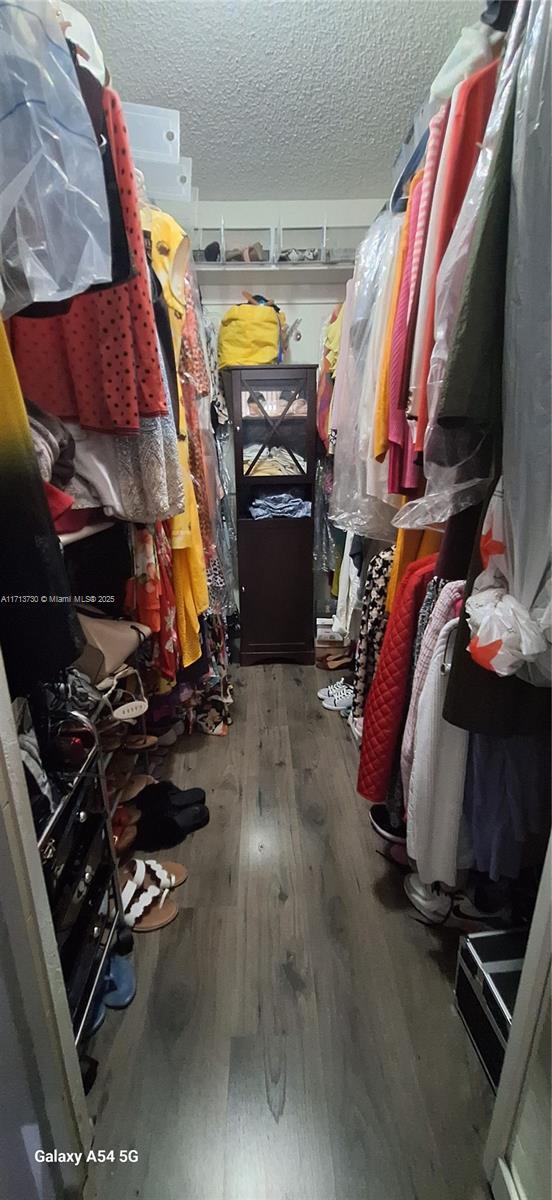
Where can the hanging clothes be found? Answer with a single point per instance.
(333, 339)
(360, 502)
(39, 630)
(198, 387)
(99, 364)
(143, 596)
(387, 701)
(402, 472)
(150, 600)
(507, 802)
(326, 373)
(381, 411)
(373, 621)
(476, 47)
(347, 600)
(450, 487)
(166, 645)
(195, 384)
(434, 589)
(444, 610)
(411, 546)
(169, 250)
(469, 112)
(379, 504)
(514, 592)
(472, 387)
(437, 130)
(340, 393)
(48, 151)
(437, 838)
(135, 478)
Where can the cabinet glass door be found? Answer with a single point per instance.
(274, 427)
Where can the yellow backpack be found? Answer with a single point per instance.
(251, 334)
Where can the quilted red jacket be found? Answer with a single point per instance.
(386, 703)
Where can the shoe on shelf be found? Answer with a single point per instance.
(325, 692)
(96, 1016)
(454, 909)
(120, 981)
(340, 699)
(390, 827)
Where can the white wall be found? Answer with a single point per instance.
(246, 213)
(530, 1153)
(313, 303)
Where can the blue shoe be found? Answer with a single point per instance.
(96, 1016)
(120, 982)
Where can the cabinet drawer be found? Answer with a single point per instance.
(276, 589)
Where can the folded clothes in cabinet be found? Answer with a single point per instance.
(283, 504)
(261, 460)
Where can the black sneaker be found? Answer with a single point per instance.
(390, 827)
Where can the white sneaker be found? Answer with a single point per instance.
(341, 699)
(326, 692)
(455, 909)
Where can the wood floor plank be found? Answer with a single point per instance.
(277, 1062)
(387, 957)
(293, 1036)
(164, 1081)
(214, 879)
(277, 1145)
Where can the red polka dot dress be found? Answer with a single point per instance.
(99, 363)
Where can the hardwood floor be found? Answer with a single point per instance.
(294, 1035)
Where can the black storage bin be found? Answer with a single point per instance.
(487, 981)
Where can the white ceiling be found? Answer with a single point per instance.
(282, 99)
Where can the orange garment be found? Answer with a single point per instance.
(143, 593)
(412, 544)
(468, 119)
(381, 409)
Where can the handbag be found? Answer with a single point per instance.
(108, 645)
(251, 334)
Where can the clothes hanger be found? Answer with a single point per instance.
(146, 207)
(177, 271)
(64, 26)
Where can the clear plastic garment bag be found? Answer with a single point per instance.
(54, 224)
(511, 603)
(360, 503)
(459, 470)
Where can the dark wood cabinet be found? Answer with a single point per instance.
(273, 411)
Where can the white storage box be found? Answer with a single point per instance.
(166, 180)
(154, 132)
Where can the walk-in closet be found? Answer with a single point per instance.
(275, 599)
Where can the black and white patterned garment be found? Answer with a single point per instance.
(434, 588)
(372, 626)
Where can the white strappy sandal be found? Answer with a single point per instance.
(132, 708)
(145, 905)
(167, 875)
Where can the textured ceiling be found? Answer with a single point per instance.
(282, 99)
